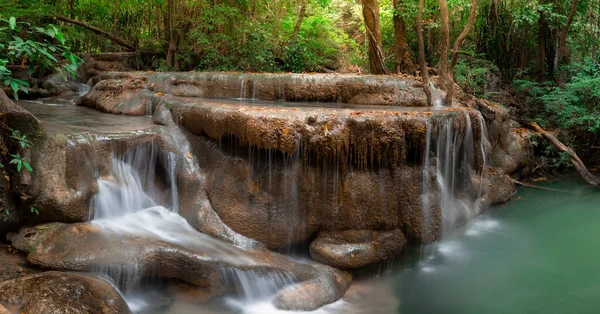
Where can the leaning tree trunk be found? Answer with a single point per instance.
(463, 35)
(373, 28)
(115, 38)
(445, 34)
(422, 63)
(404, 62)
(577, 163)
(301, 14)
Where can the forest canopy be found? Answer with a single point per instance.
(517, 37)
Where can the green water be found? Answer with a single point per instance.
(539, 253)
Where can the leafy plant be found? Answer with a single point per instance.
(5, 215)
(20, 139)
(14, 49)
(34, 210)
(20, 162)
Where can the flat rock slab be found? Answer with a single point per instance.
(61, 292)
(351, 89)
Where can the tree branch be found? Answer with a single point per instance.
(116, 39)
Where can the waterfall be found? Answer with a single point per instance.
(436, 95)
(450, 147)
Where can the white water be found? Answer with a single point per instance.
(436, 95)
(454, 152)
(134, 202)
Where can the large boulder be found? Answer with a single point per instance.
(60, 292)
(356, 248)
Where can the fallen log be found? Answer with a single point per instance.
(116, 39)
(577, 163)
(541, 187)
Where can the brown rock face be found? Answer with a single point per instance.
(356, 248)
(197, 259)
(59, 292)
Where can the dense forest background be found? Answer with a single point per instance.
(540, 54)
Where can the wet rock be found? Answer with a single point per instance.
(197, 260)
(509, 150)
(120, 96)
(8, 213)
(351, 89)
(327, 287)
(13, 264)
(501, 188)
(59, 292)
(356, 248)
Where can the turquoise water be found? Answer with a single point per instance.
(539, 253)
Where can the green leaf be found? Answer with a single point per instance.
(12, 22)
(15, 86)
(19, 165)
(27, 166)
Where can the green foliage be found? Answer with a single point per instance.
(20, 162)
(34, 210)
(14, 49)
(5, 215)
(22, 140)
(573, 105)
(471, 70)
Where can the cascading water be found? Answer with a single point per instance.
(452, 150)
(141, 199)
(436, 95)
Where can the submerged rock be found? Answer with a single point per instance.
(190, 256)
(356, 248)
(60, 292)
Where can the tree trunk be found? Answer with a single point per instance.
(422, 63)
(445, 37)
(565, 31)
(542, 38)
(172, 46)
(463, 35)
(577, 163)
(299, 22)
(404, 62)
(563, 53)
(116, 39)
(373, 28)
